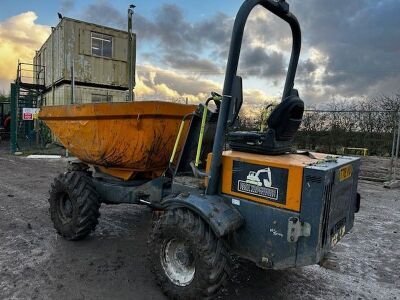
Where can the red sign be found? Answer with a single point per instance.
(27, 116)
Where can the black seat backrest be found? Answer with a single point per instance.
(286, 118)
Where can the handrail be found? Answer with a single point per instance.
(34, 72)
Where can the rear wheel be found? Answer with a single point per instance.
(74, 205)
(187, 259)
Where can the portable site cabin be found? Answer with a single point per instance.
(91, 58)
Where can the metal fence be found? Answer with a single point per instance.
(334, 131)
(27, 133)
(364, 133)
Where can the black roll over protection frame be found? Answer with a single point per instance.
(232, 100)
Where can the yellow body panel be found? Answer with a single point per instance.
(294, 163)
(123, 139)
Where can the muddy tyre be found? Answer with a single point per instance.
(186, 258)
(74, 205)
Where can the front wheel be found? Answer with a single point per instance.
(187, 259)
(74, 205)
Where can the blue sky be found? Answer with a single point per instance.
(350, 48)
(47, 9)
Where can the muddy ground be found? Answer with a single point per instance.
(35, 263)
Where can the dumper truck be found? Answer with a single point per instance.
(216, 192)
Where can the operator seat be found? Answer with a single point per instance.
(283, 124)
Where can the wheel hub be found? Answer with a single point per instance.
(178, 262)
(184, 257)
(66, 208)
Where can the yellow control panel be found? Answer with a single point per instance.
(266, 179)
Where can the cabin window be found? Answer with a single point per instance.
(102, 45)
(99, 98)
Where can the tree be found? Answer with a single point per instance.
(3, 97)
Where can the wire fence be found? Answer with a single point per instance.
(373, 134)
(364, 130)
(338, 132)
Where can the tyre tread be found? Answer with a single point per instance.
(216, 263)
(79, 188)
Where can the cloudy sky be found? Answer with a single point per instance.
(351, 48)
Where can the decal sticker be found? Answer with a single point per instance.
(269, 183)
(338, 236)
(275, 232)
(345, 172)
(236, 202)
(338, 231)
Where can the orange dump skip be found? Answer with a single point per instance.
(123, 139)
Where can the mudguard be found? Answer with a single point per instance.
(222, 217)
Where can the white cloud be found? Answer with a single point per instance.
(20, 36)
(155, 83)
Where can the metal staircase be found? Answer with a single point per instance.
(26, 92)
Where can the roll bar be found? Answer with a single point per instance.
(281, 9)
